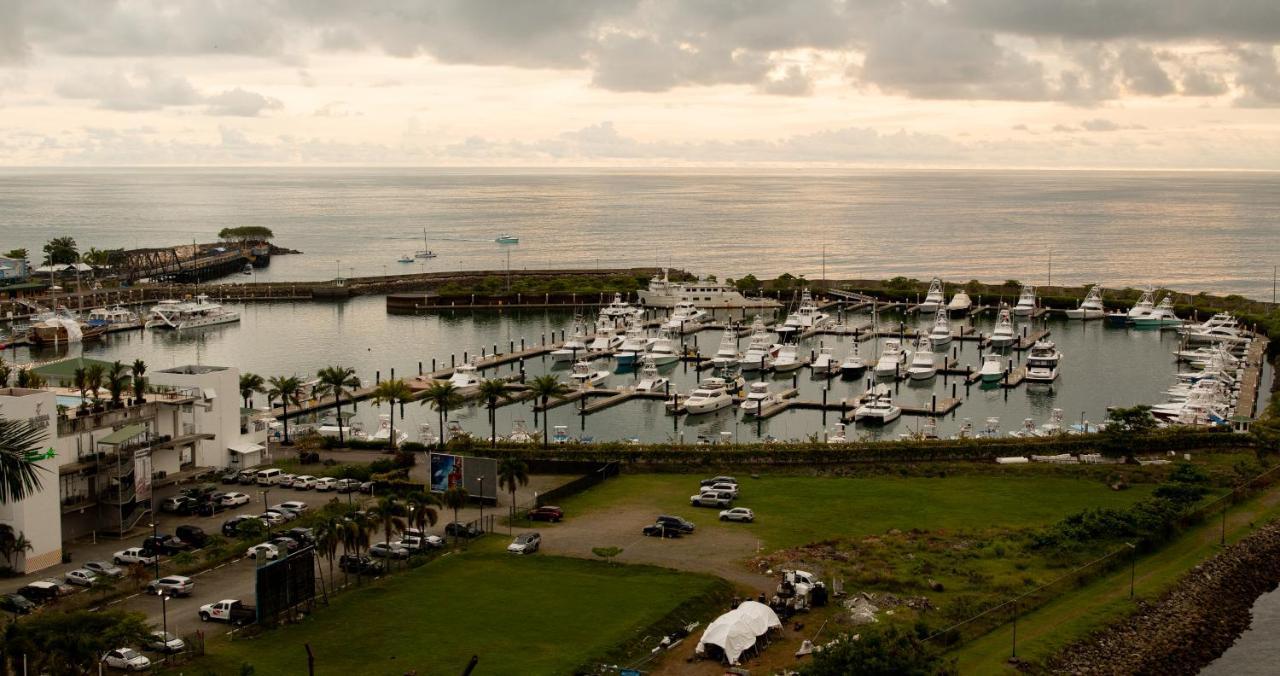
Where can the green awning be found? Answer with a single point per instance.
(123, 434)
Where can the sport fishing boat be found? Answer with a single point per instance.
(727, 354)
(521, 434)
(992, 367)
(1042, 362)
(466, 375)
(506, 238)
(923, 363)
(935, 298)
(824, 362)
(1161, 317)
(758, 398)
(940, 334)
(877, 407)
(190, 315)
(620, 309)
(1220, 328)
(1091, 307)
(757, 355)
(584, 376)
(650, 379)
(1145, 305)
(707, 293)
(807, 316)
(575, 346)
(853, 365)
(633, 344)
(838, 435)
(663, 349)
(606, 337)
(893, 359)
(786, 358)
(712, 394)
(383, 433)
(960, 303)
(1026, 301)
(686, 315)
(1003, 335)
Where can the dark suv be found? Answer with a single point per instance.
(351, 563)
(164, 544)
(675, 523)
(192, 535)
(461, 530)
(546, 513)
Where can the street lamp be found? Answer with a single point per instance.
(481, 503)
(155, 541)
(164, 616)
(265, 503)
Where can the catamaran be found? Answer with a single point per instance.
(190, 315)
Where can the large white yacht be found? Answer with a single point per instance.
(757, 353)
(189, 315)
(663, 349)
(711, 394)
(1026, 301)
(1003, 335)
(1042, 362)
(727, 354)
(935, 298)
(686, 316)
(940, 334)
(924, 363)
(758, 398)
(893, 359)
(650, 379)
(706, 293)
(960, 303)
(877, 407)
(1091, 307)
(807, 316)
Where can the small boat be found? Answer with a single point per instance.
(877, 408)
(1161, 317)
(727, 354)
(935, 298)
(633, 345)
(758, 398)
(383, 433)
(960, 303)
(1026, 301)
(853, 365)
(807, 316)
(1028, 430)
(838, 435)
(426, 251)
(824, 362)
(663, 349)
(1091, 307)
(893, 359)
(560, 434)
(923, 363)
(1003, 335)
(506, 238)
(113, 318)
(620, 309)
(466, 375)
(606, 337)
(684, 315)
(1042, 362)
(940, 334)
(584, 376)
(650, 380)
(992, 367)
(786, 359)
(405, 259)
(711, 395)
(520, 433)
(757, 355)
(574, 347)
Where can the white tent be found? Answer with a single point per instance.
(737, 630)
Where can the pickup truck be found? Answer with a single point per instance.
(229, 610)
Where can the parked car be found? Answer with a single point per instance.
(133, 555)
(173, 585)
(709, 498)
(179, 504)
(40, 591)
(16, 604)
(81, 577)
(461, 530)
(275, 518)
(285, 481)
(101, 568)
(738, 514)
(659, 530)
(200, 492)
(295, 506)
(724, 487)
(326, 484)
(126, 659)
(212, 506)
(682, 525)
(353, 564)
(234, 499)
(719, 480)
(347, 486)
(265, 550)
(164, 544)
(230, 527)
(304, 482)
(388, 550)
(417, 543)
(366, 487)
(285, 544)
(247, 477)
(231, 476)
(164, 642)
(525, 543)
(192, 535)
(546, 513)
(229, 610)
(303, 536)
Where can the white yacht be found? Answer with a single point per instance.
(633, 344)
(924, 364)
(853, 365)
(466, 375)
(383, 433)
(575, 347)
(686, 316)
(727, 354)
(824, 362)
(757, 353)
(936, 298)
(1042, 362)
(787, 358)
(807, 316)
(650, 379)
(663, 350)
(838, 435)
(521, 434)
(758, 398)
(426, 251)
(620, 309)
(706, 293)
(1220, 328)
(584, 376)
(1162, 317)
(1091, 307)
(710, 395)
(1145, 306)
(960, 303)
(992, 367)
(1003, 335)
(190, 315)
(893, 359)
(877, 407)
(940, 334)
(113, 318)
(606, 338)
(1026, 301)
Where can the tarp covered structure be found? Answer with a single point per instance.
(737, 630)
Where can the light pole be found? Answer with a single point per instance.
(164, 616)
(265, 502)
(155, 541)
(1133, 565)
(481, 503)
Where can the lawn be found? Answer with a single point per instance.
(520, 615)
(793, 510)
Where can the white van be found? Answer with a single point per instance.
(269, 477)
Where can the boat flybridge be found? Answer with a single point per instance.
(586, 377)
(190, 315)
(935, 298)
(727, 354)
(1162, 317)
(686, 315)
(663, 349)
(1042, 362)
(1145, 306)
(650, 379)
(758, 398)
(1091, 307)
(787, 358)
(1003, 335)
(893, 359)
(620, 309)
(807, 316)
(633, 344)
(924, 364)
(575, 346)
(757, 354)
(1026, 301)
(940, 334)
(960, 303)
(853, 364)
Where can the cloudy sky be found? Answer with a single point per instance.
(1181, 84)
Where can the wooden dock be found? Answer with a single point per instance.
(1251, 382)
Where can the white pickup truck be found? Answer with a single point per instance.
(229, 610)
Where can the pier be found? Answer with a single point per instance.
(1247, 405)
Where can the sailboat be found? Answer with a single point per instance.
(426, 251)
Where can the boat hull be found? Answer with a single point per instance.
(1080, 313)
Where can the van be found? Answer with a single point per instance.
(269, 477)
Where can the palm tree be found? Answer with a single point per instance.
(6, 371)
(422, 510)
(337, 381)
(491, 391)
(512, 472)
(395, 391)
(139, 370)
(389, 513)
(93, 374)
(81, 381)
(543, 389)
(117, 383)
(455, 498)
(251, 383)
(442, 395)
(20, 444)
(329, 534)
(287, 389)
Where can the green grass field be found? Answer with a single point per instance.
(792, 510)
(521, 615)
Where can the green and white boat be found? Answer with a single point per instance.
(1161, 317)
(506, 238)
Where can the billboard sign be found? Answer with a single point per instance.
(142, 474)
(446, 472)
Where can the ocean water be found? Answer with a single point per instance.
(1216, 232)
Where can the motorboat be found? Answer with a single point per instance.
(1026, 301)
(710, 395)
(606, 338)
(807, 316)
(893, 359)
(853, 365)
(824, 362)
(838, 435)
(633, 346)
(247, 269)
(877, 407)
(560, 434)
(521, 434)
(1003, 335)
(708, 293)
(620, 309)
(383, 433)
(960, 303)
(1145, 306)
(990, 430)
(190, 315)
(466, 374)
(425, 251)
(686, 315)
(405, 259)
(1091, 307)
(1055, 425)
(757, 354)
(113, 318)
(758, 398)
(935, 298)
(940, 334)
(727, 354)
(1161, 317)
(63, 329)
(574, 347)
(1028, 431)
(992, 367)
(1220, 328)
(663, 349)
(506, 238)
(923, 363)
(923, 432)
(1042, 362)
(650, 379)
(334, 426)
(786, 359)
(584, 376)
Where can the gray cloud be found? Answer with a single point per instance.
(1259, 78)
(1143, 73)
(240, 103)
(147, 88)
(794, 82)
(1237, 20)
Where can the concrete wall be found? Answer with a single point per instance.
(38, 517)
(218, 413)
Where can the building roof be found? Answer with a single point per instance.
(65, 370)
(194, 369)
(123, 434)
(245, 448)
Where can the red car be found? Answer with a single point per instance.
(546, 513)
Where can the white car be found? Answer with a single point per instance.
(101, 568)
(81, 577)
(723, 487)
(525, 543)
(295, 506)
(266, 550)
(303, 482)
(274, 518)
(174, 585)
(285, 480)
(710, 498)
(326, 484)
(162, 642)
(126, 659)
(234, 499)
(133, 555)
(738, 514)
